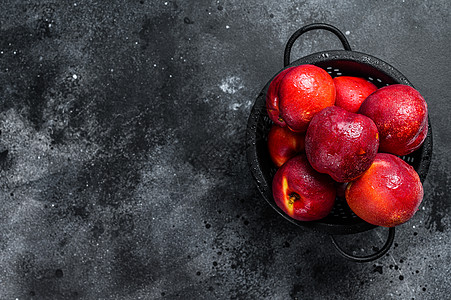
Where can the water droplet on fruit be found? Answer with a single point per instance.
(393, 181)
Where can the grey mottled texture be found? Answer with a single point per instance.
(123, 172)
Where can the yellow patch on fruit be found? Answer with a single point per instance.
(289, 203)
(284, 186)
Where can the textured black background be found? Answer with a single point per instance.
(123, 172)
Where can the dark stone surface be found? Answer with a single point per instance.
(123, 174)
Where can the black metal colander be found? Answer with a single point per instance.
(346, 62)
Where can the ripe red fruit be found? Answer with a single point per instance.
(301, 192)
(302, 92)
(340, 143)
(387, 194)
(283, 144)
(401, 117)
(352, 91)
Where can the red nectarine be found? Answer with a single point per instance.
(341, 143)
(401, 117)
(301, 192)
(304, 91)
(283, 144)
(351, 91)
(387, 194)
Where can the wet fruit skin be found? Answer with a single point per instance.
(304, 91)
(283, 144)
(401, 117)
(272, 99)
(301, 192)
(387, 194)
(340, 143)
(352, 91)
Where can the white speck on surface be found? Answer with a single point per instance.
(14, 52)
(231, 85)
(347, 32)
(235, 106)
(74, 76)
(154, 65)
(165, 3)
(227, 26)
(170, 75)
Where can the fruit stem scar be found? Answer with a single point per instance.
(293, 197)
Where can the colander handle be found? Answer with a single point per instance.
(299, 32)
(374, 256)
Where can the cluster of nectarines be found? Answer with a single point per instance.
(330, 133)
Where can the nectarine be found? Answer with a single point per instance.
(304, 91)
(401, 117)
(387, 194)
(351, 91)
(341, 143)
(283, 144)
(301, 192)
